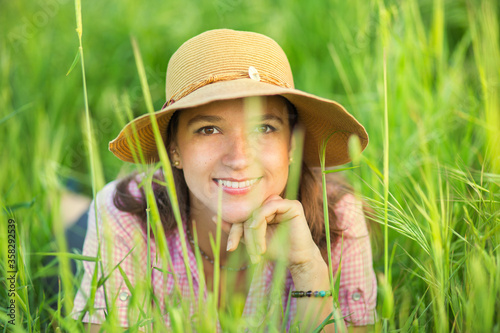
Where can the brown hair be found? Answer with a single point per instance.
(310, 194)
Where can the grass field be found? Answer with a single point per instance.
(422, 76)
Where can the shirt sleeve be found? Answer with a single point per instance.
(352, 250)
(117, 231)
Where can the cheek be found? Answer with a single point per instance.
(196, 160)
(275, 152)
(275, 158)
(196, 167)
(199, 162)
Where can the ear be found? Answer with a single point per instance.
(175, 157)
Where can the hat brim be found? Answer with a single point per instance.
(321, 118)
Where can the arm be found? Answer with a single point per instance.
(358, 285)
(358, 290)
(313, 275)
(115, 245)
(309, 270)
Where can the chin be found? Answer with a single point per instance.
(240, 211)
(234, 219)
(236, 216)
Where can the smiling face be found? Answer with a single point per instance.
(225, 145)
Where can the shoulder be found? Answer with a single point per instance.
(131, 184)
(350, 216)
(347, 207)
(104, 198)
(108, 214)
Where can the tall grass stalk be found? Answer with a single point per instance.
(387, 277)
(483, 18)
(92, 163)
(216, 249)
(335, 293)
(165, 161)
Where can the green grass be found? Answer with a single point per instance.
(421, 76)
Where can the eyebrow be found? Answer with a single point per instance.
(213, 119)
(272, 117)
(202, 118)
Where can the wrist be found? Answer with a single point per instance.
(312, 265)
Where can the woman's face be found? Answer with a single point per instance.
(229, 146)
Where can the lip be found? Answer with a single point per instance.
(239, 190)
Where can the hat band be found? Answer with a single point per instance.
(223, 77)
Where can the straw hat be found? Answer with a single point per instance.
(226, 64)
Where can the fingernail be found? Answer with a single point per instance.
(255, 259)
(229, 245)
(214, 219)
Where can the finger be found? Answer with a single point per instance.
(273, 197)
(278, 210)
(235, 234)
(275, 211)
(251, 246)
(256, 229)
(255, 235)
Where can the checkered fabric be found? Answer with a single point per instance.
(123, 240)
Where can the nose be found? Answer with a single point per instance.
(239, 152)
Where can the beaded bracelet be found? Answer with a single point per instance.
(321, 293)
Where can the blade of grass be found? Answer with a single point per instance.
(92, 163)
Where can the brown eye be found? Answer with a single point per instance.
(208, 130)
(264, 129)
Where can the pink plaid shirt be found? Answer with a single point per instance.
(121, 233)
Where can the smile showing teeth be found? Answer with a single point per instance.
(228, 183)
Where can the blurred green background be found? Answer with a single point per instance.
(440, 268)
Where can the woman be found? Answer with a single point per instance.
(227, 128)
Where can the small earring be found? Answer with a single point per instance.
(290, 160)
(176, 163)
(173, 151)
